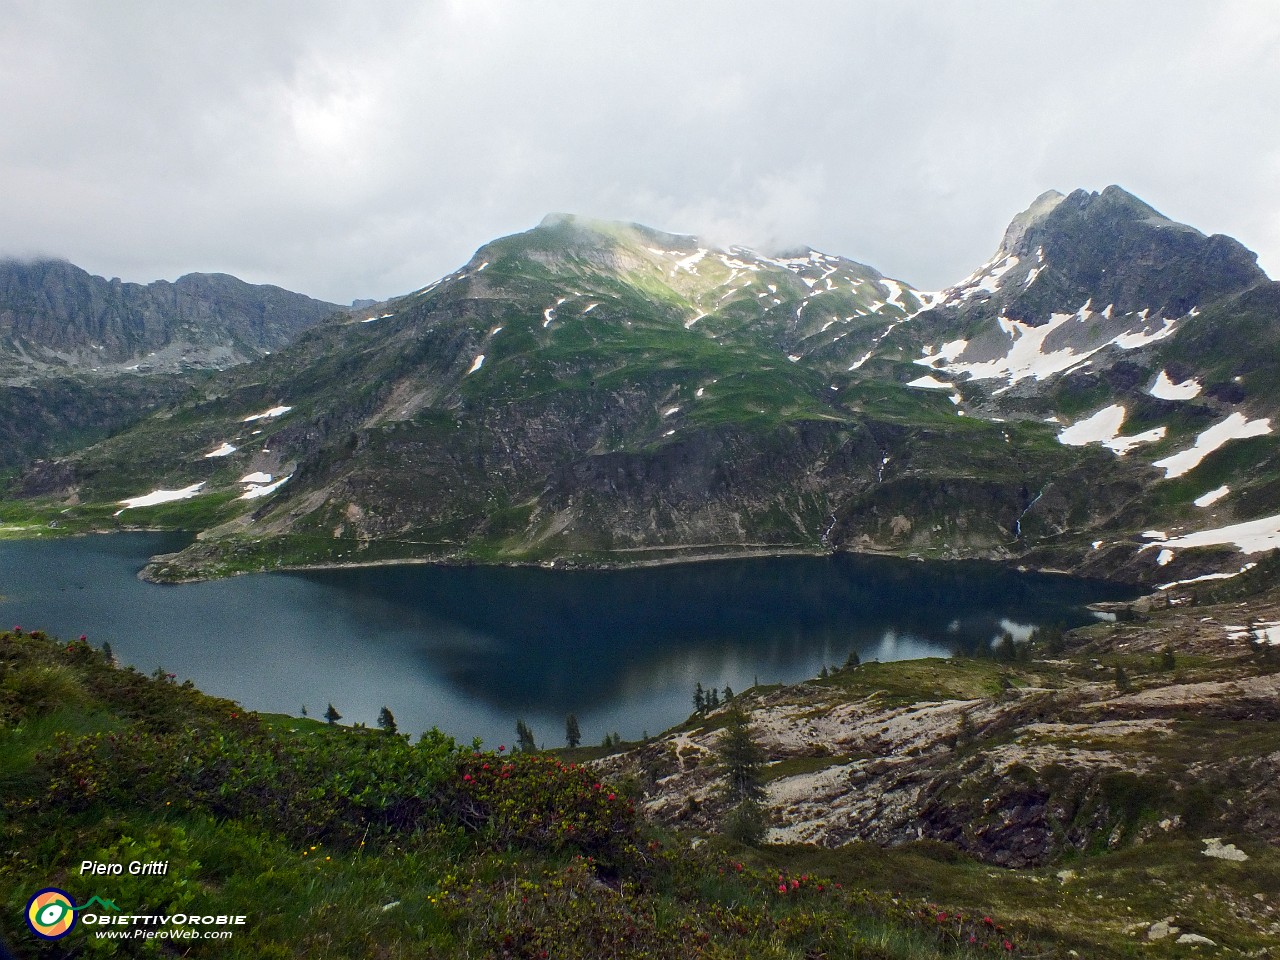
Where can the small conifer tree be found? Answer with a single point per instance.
(386, 721)
(728, 696)
(106, 652)
(1054, 641)
(572, 735)
(852, 660)
(699, 698)
(332, 715)
(1122, 680)
(525, 742)
(742, 760)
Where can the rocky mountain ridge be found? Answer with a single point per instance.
(594, 392)
(57, 319)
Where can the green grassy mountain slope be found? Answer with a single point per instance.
(584, 391)
(595, 392)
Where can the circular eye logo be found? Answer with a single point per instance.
(51, 914)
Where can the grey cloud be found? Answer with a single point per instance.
(346, 153)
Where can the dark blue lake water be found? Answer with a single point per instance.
(471, 649)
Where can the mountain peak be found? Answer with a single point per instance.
(552, 220)
(1107, 254)
(1115, 206)
(1040, 208)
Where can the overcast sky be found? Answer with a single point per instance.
(361, 150)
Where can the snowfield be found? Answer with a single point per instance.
(1235, 427)
(1104, 428)
(1252, 536)
(1166, 389)
(268, 414)
(160, 496)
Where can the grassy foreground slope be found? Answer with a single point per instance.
(340, 842)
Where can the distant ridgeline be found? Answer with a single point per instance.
(1096, 397)
(82, 357)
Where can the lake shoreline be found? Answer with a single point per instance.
(469, 646)
(1013, 564)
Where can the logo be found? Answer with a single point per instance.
(51, 914)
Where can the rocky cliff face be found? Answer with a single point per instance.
(1078, 280)
(57, 319)
(1109, 248)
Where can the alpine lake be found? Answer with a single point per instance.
(472, 649)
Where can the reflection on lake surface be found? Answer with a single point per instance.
(471, 649)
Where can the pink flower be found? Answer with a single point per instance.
(782, 888)
(466, 776)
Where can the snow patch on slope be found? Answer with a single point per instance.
(1212, 497)
(1235, 427)
(1252, 536)
(268, 414)
(1166, 389)
(929, 382)
(255, 491)
(1101, 426)
(1104, 428)
(1027, 355)
(160, 496)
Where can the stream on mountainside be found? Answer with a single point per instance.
(471, 649)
